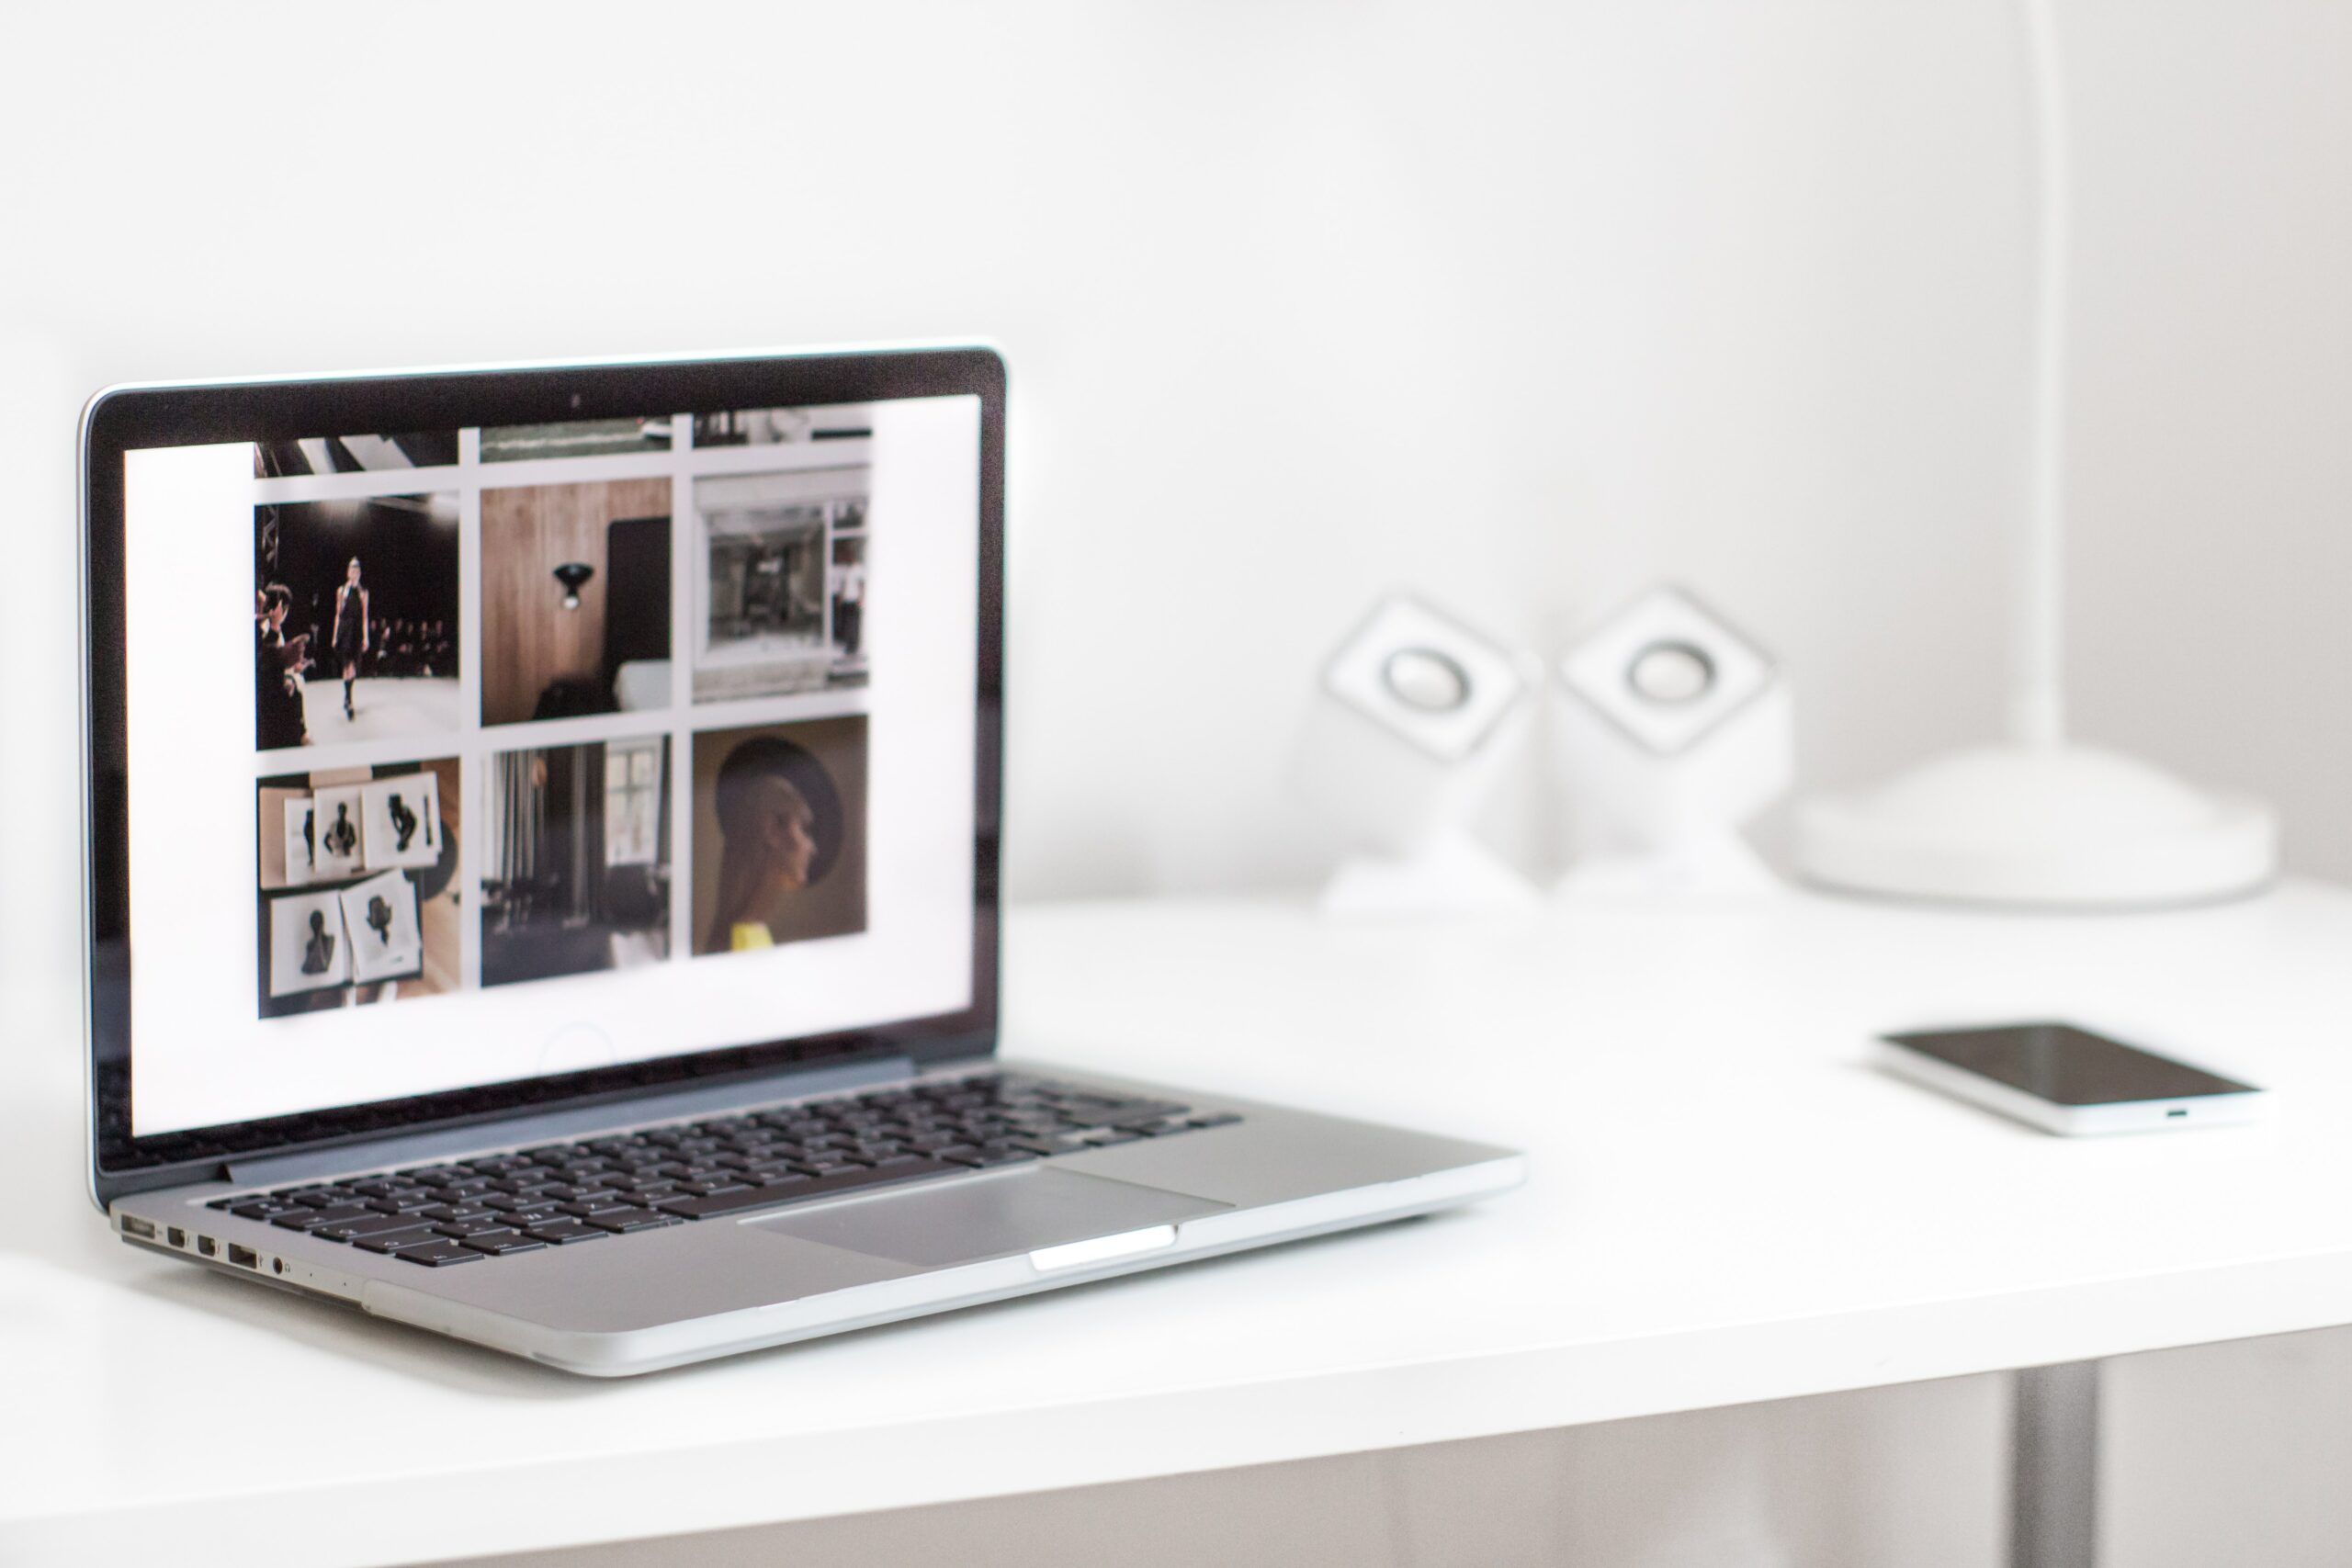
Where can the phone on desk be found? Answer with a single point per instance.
(2068, 1081)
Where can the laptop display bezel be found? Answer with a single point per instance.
(124, 419)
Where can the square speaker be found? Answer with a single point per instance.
(1426, 678)
(1666, 671)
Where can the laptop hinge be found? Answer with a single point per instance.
(579, 1121)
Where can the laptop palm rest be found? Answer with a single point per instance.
(964, 1222)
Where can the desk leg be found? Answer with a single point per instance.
(2054, 1486)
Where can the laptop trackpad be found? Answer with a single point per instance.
(963, 1221)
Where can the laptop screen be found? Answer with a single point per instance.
(461, 756)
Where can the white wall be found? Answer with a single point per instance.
(1524, 304)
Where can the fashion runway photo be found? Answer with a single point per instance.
(356, 618)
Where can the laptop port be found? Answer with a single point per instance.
(176, 1235)
(243, 1257)
(207, 1247)
(143, 1229)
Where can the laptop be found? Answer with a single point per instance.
(563, 914)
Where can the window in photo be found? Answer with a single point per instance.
(779, 834)
(575, 860)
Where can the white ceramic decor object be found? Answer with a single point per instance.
(1670, 730)
(1417, 716)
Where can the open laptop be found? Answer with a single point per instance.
(564, 906)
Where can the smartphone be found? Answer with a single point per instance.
(2068, 1081)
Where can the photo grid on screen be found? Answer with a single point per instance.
(551, 700)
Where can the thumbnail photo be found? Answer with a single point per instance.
(358, 885)
(779, 834)
(355, 620)
(355, 454)
(575, 860)
(575, 599)
(781, 427)
(780, 560)
(580, 439)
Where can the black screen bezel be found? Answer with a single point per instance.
(124, 419)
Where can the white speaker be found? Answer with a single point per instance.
(1671, 729)
(1417, 716)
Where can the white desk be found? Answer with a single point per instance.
(1726, 1207)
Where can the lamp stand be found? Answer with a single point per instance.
(2039, 821)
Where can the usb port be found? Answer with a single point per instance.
(2177, 1112)
(243, 1257)
(143, 1229)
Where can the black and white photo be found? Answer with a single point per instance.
(401, 824)
(307, 947)
(380, 919)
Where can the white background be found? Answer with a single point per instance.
(1525, 303)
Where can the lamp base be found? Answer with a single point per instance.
(2065, 827)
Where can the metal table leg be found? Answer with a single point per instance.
(2054, 1486)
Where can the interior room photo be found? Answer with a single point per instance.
(575, 859)
(780, 560)
(1495, 785)
(575, 599)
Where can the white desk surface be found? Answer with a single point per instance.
(1725, 1206)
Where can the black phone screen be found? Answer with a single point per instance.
(2066, 1065)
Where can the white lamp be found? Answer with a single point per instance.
(2038, 820)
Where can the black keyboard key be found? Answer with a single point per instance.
(400, 1241)
(501, 1243)
(311, 1219)
(1217, 1119)
(461, 1229)
(400, 1204)
(438, 1255)
(622, 1222)
(756, 1197)
(982, 1159)
(374, 1224)
(266, 1209)
(567, 1233)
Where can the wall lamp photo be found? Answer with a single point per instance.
(574, 576)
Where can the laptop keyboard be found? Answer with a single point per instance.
(562, 1194)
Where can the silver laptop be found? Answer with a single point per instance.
(562, 915)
